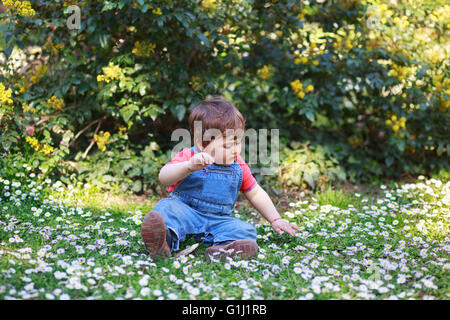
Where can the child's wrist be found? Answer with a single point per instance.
(276, 219)
(189, 166)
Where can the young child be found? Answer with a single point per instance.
(204, 182)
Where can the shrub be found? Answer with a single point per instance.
(366, 80)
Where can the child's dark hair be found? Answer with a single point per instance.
(216, 113)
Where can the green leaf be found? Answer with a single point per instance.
(203, 38)
(107, 178)
(179, 111)
(121, 4)
(310, 179)
(109, 6)
(137, 186)
(310, 115)
(128, 111)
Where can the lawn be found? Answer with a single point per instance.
(74, 242)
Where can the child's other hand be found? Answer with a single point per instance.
(281, 225)
(200, 160)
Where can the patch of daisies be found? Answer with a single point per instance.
(393, 247)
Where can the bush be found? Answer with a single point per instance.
(366, 80)
(309, 166)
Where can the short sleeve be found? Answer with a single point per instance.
(183, 155)
(248, 180)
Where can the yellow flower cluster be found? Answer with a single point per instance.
(380, 11)
(266, 72)
(54, 48)
(401, 22)
(297, 87)
(56, 103)
(26, 108)
(301, 15)
(122, 130)
(300, 59)
(102, 140)
(304, 60)
(442, 14)
(157, 11)
(34, 143)
(401, 72)
(436, 54)
(5, 95)
(23, 84)
(342, 44)
(68, 3)
(142, 49)
(110, 72)
(46, 149)
(35, 76)
(22, 7)
(396, 124)
(209, 5)
(38, 73)
(442, 87)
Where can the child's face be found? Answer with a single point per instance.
(225, 150)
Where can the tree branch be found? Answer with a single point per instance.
(93, 139)
(85, 128)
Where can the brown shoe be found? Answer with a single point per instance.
(246, 249)
(153, 232)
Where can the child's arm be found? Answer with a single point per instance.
(174, 172)
(262, 202)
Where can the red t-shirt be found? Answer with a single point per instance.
(248, 180)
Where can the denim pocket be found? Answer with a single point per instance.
(218, 186)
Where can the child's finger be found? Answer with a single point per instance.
(277, 230)
(196, 159)
(290, 230)
(209, 158)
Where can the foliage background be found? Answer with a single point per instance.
(358, 89)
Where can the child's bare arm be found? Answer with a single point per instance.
(174, 172)
(262, 202)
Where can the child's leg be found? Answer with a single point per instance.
(180, 219)
(231, 234)
(226, 229)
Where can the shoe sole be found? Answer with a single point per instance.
(246, 249)
(153, 232)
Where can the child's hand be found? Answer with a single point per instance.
(280, 225)
(199, 161)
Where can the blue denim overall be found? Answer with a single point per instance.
(203, 204)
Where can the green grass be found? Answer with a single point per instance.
(352, 246)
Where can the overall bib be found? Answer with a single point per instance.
(203, 204)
